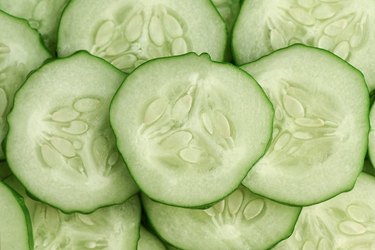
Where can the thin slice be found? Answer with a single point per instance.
(190, 135)
(148, 241)
(127, 33)
(345, 222)
(371, 139)
(21, 51)
(320, 128)
(15, 224)
(114, 227)
(60, 124)
(243, 220)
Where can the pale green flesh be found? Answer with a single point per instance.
(343, 27)
(228, 10)
(371, 139)
(148, 241)
(20, 52)
(128, 33)
(60, 123)
(243, 220)
(320, 126)
(190, 136)
(43, 15)
(14, 221)
(114, 227)
(345, 222)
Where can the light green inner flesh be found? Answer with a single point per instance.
(142, 33)
(228, 9)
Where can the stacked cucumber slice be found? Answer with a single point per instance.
(136, 130)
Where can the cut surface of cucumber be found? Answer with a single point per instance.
(42, 15)
(60, 144)
(320, 128)
(148, 241)
(189, 136)
(15, 225)
(371, 139)
(21, 51)
(342, 27)
(128, 33)
(114, 227)
(243, 220)
(344, 222)
(4, 170)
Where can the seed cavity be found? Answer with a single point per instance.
(309, 122)
(279, 113)
(76, 128)
(64, 146)
(172, 27)
(118, 46)
(282, 141)
(50, 156)
(293, 107)
(326, 42)
(182, 107)
(325, 244)
(191, 155)
(133, 29)
(177, 140)
(85, 219)
(342, 49)
(336, 27)
(77, 164)
(301, 16)
(253, 209)
(235, 201)
(155, 30)
(3, 102)
(359, 213)
(306, 3)
(222, 127)
(308, 245)
(323, 11)
(277, 40)
(210, 212)
(302, 135)
(105, 33)
(155, 110)
(100, 148)
(125, 61)
(65, 114)
(352, 228)
(87, 104)
(207, 123)
(179, 46)
(113, 158)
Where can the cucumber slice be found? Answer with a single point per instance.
(371, 139)
(228, 10)
(189, 136)
(128, 33)
(60, 144)
(4, 170)
(113, 227)
(20, 52)
(344, 222)
(148, 241)
(241, 221)
(320, 128)
(342, 27)
(15, 225)
(43, 16)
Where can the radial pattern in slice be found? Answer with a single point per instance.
(191, 134)
(320, 127)
(60, 145)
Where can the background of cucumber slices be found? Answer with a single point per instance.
(318, 198)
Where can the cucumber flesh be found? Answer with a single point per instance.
(243, 220)
(344, 222)
(60, 123)
(15, 225)
(4, 170)
(148, 241)
(128, 33)
(342, 27)
(20, 52)
(320, 127)
(189, 136)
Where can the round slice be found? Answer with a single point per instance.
(15, 225)
(129, 32)
(60, 144)
(343, 27)
(114, 227)
(344, 222)
(191, 134)
(148, 241)
(21, 51)
(320, 128)
(241, 221)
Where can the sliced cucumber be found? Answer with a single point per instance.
(148, 241)
(320, 128)
(43, 15)
(114, 227)
(20, 52)
(344, 222)
(241, 221)
(371, 140)
(189, 136)
(15, 225)
(343, 27)
(228, 9)
(4, 170)
(128, 33)
(60, 144)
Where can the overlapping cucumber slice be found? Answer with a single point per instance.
(60, 144)
(191, 134)
(320, 128)
(128, 33)
(148, 241)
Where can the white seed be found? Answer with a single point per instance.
(302, 16)
(85, 219)
(117, 47)
(77, 164)
(40, 10)
(323, 11)
(306, 3)
(279, 113)
(219, 207)
(221, 125)
(342, 50)
(3, 102)
(64, 146)
(282, 141)
(293, 107)
(66, 114)
(105, 33)
(172, 27)
(308, 245)
(50, 156)
(182, 107)
(207, 123)
(156, 31)
(177, 140)
(336, 27)
(277, 39)
(357, 36)
(191, 155)
(125, 61)
(76, 128)
(113, 158)
(154, 52)
(179, 46)
(210, 212)
(302, 135)
(155, 110)
(253, 209)
(134, 27)
(77, 145)
(325, 244)
(359, 213)
(235, 201)
(310, 122)
(100, 149)
(352, 228)
(326, 42)
(87, 104)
